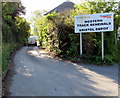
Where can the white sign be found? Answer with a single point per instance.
(94, 22)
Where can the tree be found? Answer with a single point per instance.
(15, 29)
(10, 27)
(23, 31)
(36, 15)
(58, 28)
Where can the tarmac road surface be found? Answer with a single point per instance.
(38, 74)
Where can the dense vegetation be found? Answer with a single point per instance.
(56, 33)
(15, 29)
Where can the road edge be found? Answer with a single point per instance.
(8, 75)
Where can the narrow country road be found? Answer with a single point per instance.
(38, 74)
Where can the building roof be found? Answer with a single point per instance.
(62, 7)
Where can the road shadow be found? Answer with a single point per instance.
(84, 78)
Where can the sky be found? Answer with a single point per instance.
(32, 5)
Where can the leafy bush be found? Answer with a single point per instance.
(15, 29)
(7, 49)
(108, 59)
(60, 30)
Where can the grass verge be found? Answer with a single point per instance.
(7, 49)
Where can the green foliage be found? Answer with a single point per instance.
(7, 48)
(111, 50)
(72, 50)
(111, 59)
(56, 33)
(15, 29)
(23, 30)
(36, 16)
(52, 16)
(108, 59)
